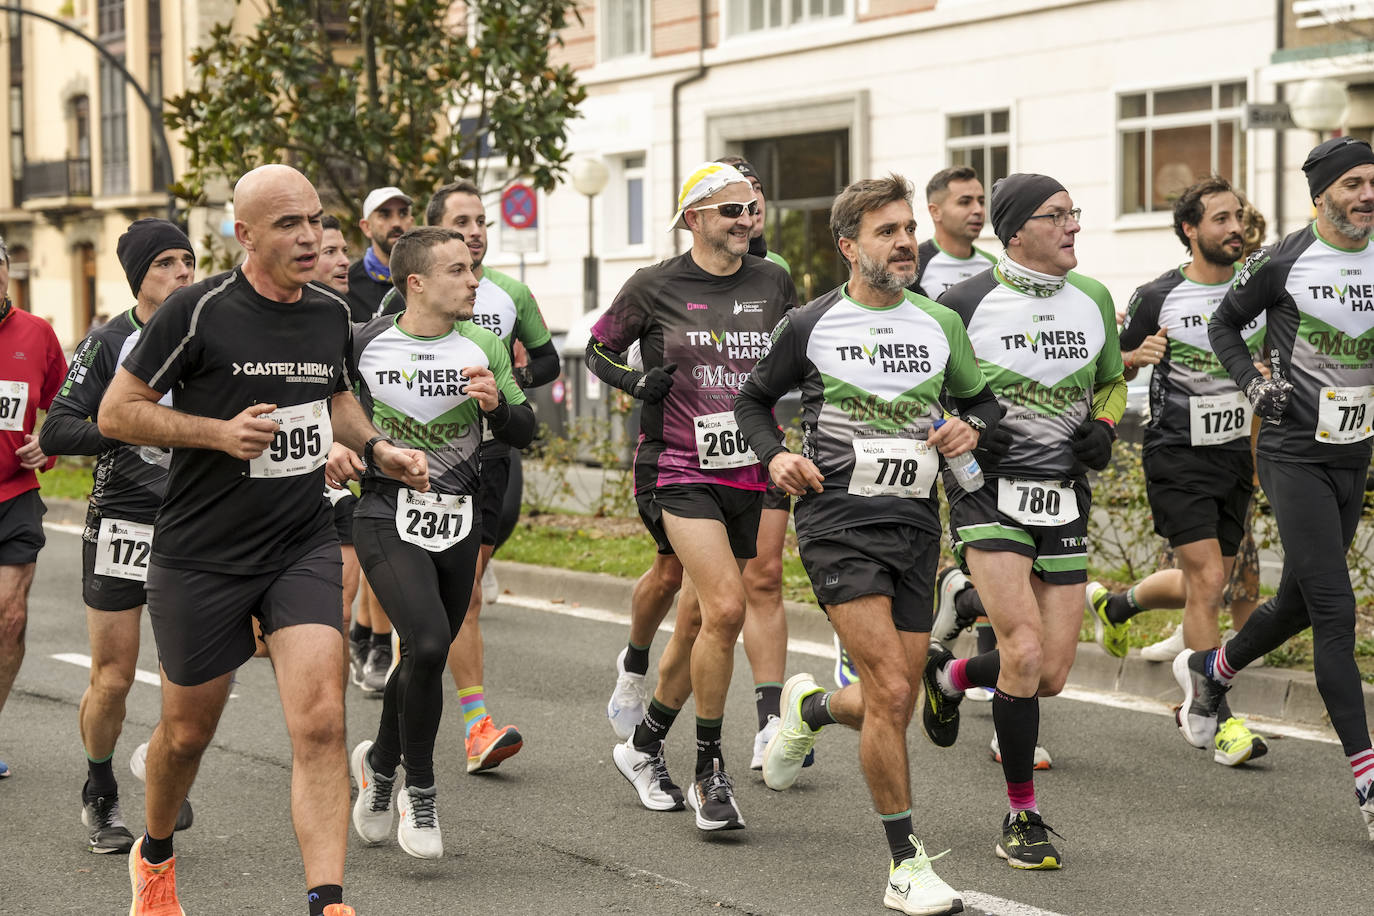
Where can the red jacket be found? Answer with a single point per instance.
(32, 369)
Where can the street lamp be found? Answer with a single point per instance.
(1319, 105)
(589, 176)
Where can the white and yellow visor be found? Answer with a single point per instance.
(704, 180)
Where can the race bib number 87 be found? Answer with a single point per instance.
(14, 400)
(301, 444)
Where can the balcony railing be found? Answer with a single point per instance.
(59, 178)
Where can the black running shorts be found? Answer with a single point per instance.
(107, 593)
(1059, 553)
(343, 518)
(894, 560)
(491, 493)
(21, 529)
(1199, 494)
(738, 510)
(203, 620)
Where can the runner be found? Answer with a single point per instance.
(698, 487)
(954, 197)
(868, 524)
(126, 491)
(1046, 338)
(386, 215)
(31, 370)
(254, 359)
(420, 549)
(1314, 449)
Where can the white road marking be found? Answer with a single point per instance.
(64, 528)
(84, 661)
(998, 906)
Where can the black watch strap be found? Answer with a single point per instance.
(372, 444)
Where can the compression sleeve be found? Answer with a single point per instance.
(512, 424)
(1109, 399)
(543, 366)
(66, 432)
(983, 405)
(606, 366)
(1250, 295)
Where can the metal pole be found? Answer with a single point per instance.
(154, 111)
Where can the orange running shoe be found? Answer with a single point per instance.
(155, 886)
(339, 909)
(489, 745)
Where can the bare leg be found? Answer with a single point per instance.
(114, 655)
(765, 622)
(14, 619)
(188, 721)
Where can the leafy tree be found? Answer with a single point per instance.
(365, 93)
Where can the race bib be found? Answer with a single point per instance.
(434, 521)
(1042, 503)
(1344, 415)
(300, 446)
(14, 401)
(1218, 419)
(122, 548)
(893, 467)
(720, 444)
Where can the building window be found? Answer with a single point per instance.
(1170, 138)
(154, 87)
(623, 28)
(761, 15)
(16, 37)
(114, 103)
(980, 140)
(623, 202)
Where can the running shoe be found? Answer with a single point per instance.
(1167, 649)
(915, 889)
(713, 800)
(154, 886)
(1026, 842)
(101, 815)
(372, 808)
(761, 739)
(845, 672)
(1197, 717)
(1042, 756)
(648, 773)
(340, 909)
(377, 668)
(948, 624)
(1367, 809)
(939, 712)
(491, 589)
(4, 770)
(1112, 637)
(138, 765)
(979, 694)
(357, 659)
(1235, 744)
(488, 745)
(626, 706)
(788, 748)
(418, 831)
(1229, 635)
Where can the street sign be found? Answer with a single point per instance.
(519, 208)
(1266, 116)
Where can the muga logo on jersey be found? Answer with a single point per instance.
(889, 357)
(1338, 343)
(431, 383)
(1032, 394)
(1049, 344)
(734, 344)
(871, 408)
(719, 377)
(435, 435)
(1196, 360)
(1361, 295)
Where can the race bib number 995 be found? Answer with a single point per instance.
(301, 444)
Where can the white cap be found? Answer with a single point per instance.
(378, 196)
(704, 180)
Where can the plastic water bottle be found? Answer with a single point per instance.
(965, 467)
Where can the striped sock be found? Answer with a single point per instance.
(474, 706)
(1021, 796)
(1220, 672)
(1363, 765)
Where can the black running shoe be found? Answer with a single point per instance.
(713, 800)
(101, 816)
(939, 712)
(1026, 842)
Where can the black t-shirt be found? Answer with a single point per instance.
(364, 293)
(220, 347)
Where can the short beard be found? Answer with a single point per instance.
(1342, 222)
(876, 275)
(721, 245)
(1217, 254)
(385, 244)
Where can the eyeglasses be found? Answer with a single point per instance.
(1060, 217)
(732, 210)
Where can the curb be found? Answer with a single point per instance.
(1273, 693)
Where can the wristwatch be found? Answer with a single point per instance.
(372, 444)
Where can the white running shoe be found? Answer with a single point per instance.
(1367, 810)
(979, 694)
(1042, 756)
(138, 762)
(418, 832)
(649, 775)
(914, 888)
(491, 589)
(765, 734)
(372, 810)
(947, 624)
(626, 706)
(1167, 649)
(785, 754)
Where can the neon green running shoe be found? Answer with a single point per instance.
(1110, 636)
(1235, 744)
(915, 889)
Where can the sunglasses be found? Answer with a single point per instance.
(733, 210)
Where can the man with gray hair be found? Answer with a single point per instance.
(868, 524)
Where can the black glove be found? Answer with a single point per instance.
(1269, 397)
(523, 376)
(1092, 444)
(653, 385)
(992, 448)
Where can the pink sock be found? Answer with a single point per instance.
(957, 678)
(1021, 795)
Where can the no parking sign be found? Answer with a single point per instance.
(519, 218)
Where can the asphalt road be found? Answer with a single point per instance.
(1149, 824)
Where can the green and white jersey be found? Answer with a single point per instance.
(1193, 402)
(938, 271)
(778, 260)
(1318, 301)
(869, 379)
(1043, 357)
(414, 390)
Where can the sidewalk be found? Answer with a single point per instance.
(1275, 693)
